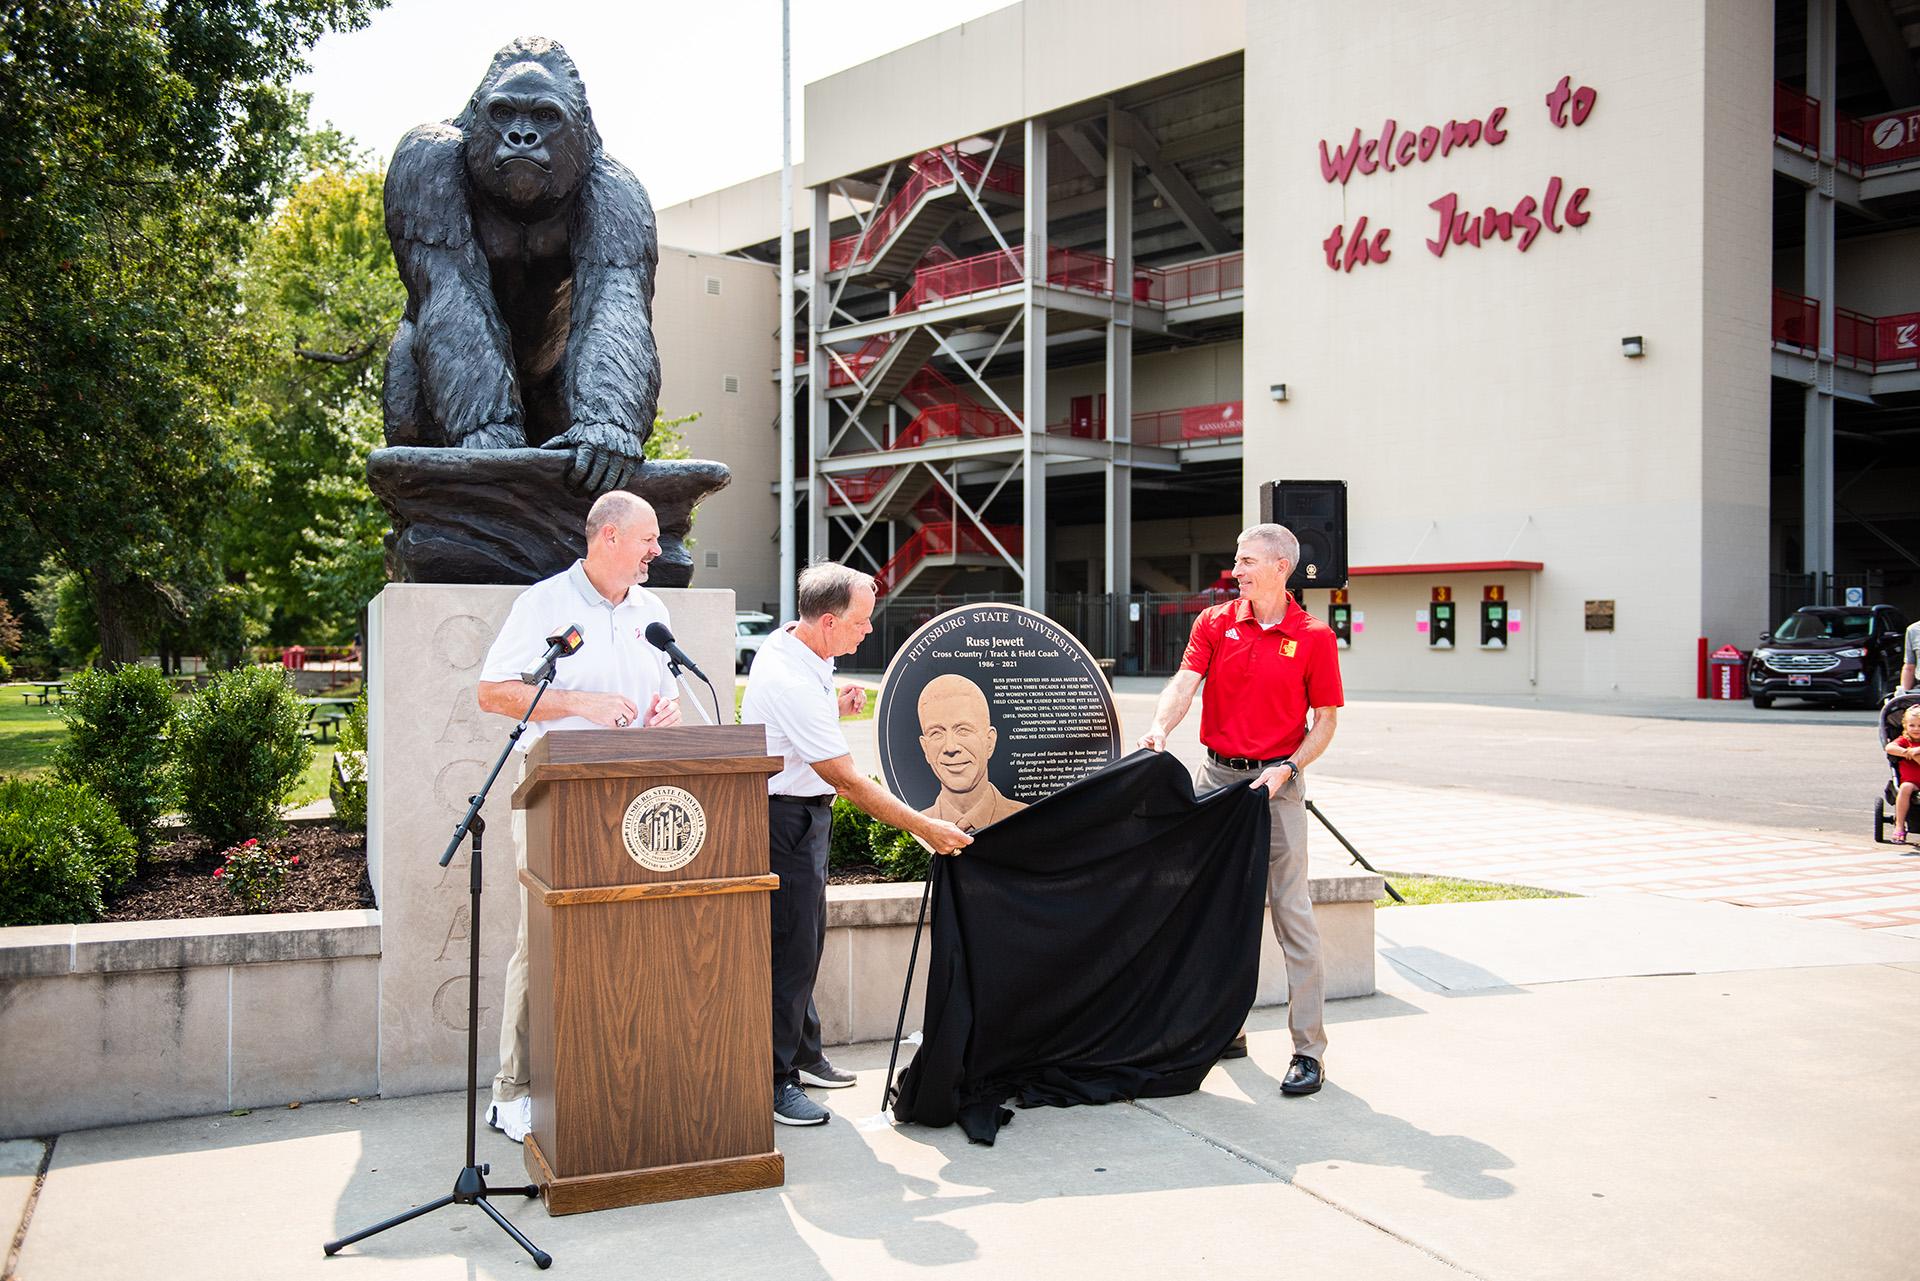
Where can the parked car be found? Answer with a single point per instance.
(1831, 654)
(750, 631)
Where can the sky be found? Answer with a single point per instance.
(687, 94)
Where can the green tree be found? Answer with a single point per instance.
(141, 140)
(322, 301)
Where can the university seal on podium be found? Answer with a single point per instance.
(664, 828)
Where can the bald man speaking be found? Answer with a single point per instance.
(958, 737)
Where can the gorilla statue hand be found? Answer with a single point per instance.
(605, 455)
(494, 436)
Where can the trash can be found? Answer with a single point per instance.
(1727, 673)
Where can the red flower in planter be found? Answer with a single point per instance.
(250, 842)
(294, 861)
(217, 871)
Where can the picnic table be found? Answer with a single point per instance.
(323, 714)
(48, 690)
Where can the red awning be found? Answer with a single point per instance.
(1451, 567)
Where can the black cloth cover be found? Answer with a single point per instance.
(1102, 944)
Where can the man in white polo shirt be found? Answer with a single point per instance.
(617, 680)
(791, 692)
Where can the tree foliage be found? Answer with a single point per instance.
(139, 144)
(322, 301)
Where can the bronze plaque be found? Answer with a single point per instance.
(989, 708)
(1599, 615)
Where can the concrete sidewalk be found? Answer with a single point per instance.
(1534, 1093)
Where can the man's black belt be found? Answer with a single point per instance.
(806, 800)
(1244, 762)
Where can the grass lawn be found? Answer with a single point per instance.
(866, 714)
(1420, 890)
(30, 732)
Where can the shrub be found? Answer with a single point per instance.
(239, 751)
(119, 743)
(848, 847)
(859, 840)
(349, 785)
(61, 849)
(254, 873)
(6, 669)
(897, 854)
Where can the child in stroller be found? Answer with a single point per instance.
(1900, 738)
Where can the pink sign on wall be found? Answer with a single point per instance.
(1898, 338)
(1199, 422)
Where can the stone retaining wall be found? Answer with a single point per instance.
(105, 1024)
(109, 1024)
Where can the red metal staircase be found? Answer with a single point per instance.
(906, 227)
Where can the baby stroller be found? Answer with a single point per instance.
(1892, 712)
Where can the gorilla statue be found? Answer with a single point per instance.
(528, 255)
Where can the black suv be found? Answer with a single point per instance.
(1830, 654)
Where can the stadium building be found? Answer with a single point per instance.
(1607, 316)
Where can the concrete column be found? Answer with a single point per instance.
(1119, 469)
(819, 241)
(1816, 502)
(1033, 459)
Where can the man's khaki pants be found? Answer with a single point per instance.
(1291, 903)
(512, 1082)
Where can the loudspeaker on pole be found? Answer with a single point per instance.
(1316, 512)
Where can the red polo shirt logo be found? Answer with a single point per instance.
(1255, 701)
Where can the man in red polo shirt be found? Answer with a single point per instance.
(1266, 662)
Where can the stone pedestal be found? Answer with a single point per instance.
(429, 748)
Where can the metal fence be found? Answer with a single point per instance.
(1142, 633)
(1788, 592)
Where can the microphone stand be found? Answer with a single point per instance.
(679, 674)
(470, 1185)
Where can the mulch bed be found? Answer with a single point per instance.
(178, 880)
(856, 874)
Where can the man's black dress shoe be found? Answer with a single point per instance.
(1236, 1048)
(1303, 1076)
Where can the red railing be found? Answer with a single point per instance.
(1001, 269)
(858, 486)
(940, 167)
(1796, 320)
(1854, 337)
(1861, 145)
(1796, 117)
(947, 279)
(1203, 280)
(1849, 142)
(943, 540)
(1859, 340)
(1164, 426)
(962, 420)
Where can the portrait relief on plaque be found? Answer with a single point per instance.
(664, 828)
(989, 708)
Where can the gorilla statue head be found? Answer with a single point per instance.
(530, 139)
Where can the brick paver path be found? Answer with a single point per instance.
(1589, 851)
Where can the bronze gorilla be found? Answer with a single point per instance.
(528, 255)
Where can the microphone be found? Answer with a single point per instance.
(558, 647)
(660, 636)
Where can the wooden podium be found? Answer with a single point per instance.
(648, 978)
